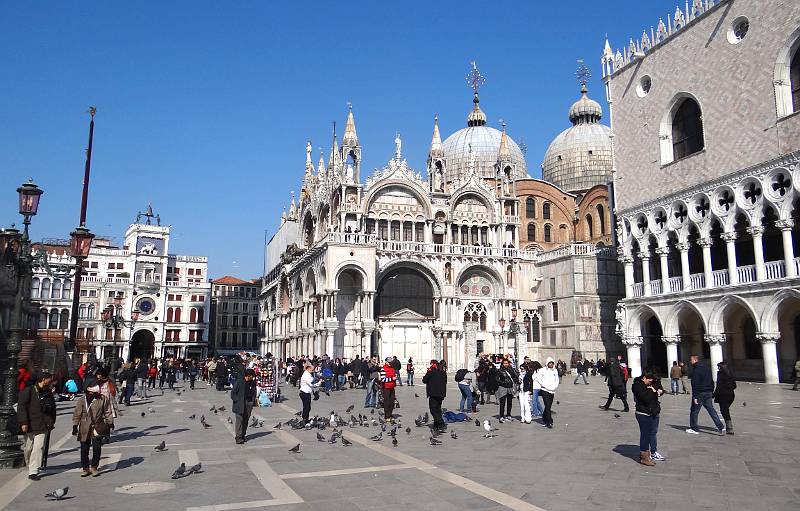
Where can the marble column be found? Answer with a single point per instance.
(646, 274)
(715, 343)
(730, 247)
(758, 250)
(663, 259)
(633, 344)
(769, 350)
(627, 261)
(708, 268)
(788, 249)
(672, 342)
(683, 248)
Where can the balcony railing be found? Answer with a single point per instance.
(698, 280)
(675, 284)
(656, 287)
(747, 274)
(774, 270)
(638, 290)
(720, 278)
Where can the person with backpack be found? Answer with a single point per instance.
(435, 381)
(388, 378)
(465, 378)
(397, 365)
(410, 372)
(583, 370)
(507, 384)
(616, 381)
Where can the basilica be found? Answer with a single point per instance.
(472, 255)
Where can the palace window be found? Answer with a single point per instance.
(530, 207)
(531, 232)
(687, 130)
(548, 233)
(546, 211)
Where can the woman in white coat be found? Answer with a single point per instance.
(547, 378)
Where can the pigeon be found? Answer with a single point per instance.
(151, 409)
(230, 421)
(277, 426)
(58, 494)
(332, 440)
(253, 423)
(393, 432)
(178, 393)
(453, 435)
(434, 441)
(161, 447)
(477, 423)
(416, 395)
(418, 423)
(213, 409)
(296, 448)
(616, 416)
(143, 414)
(744, 403)
(320, 438)
(558, 402)
(378, 437)
(192, 416)
(179, 472)
(394, 441)
(204, 423)
(195, 469)
(221, 408)
(261, 423)
(349, 409)
(425, 418)
(202, 418)
(488, 428)
(346, 442)
(408, 431)
(372, 412)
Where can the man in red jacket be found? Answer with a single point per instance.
(388, 382)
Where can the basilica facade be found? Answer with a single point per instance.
(476, 256)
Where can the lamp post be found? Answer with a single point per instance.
(113, 318)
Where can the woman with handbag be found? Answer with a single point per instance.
(92, 420)
(507, 380)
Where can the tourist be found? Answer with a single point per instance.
(372, 372)
(152, 374)
(192, 369)
(127, 378)
(410, 372)
(674, 377)
(548, 380)
(648, 409)
(724, 394)
(388, 379)
(526, 375)
(702, 392)
(796, 374)
(36, 416)
(307, 388)
(92, 421)
(435, 381)
(583, 369)
(466, 386)
(536, 388)
(141, 377)
(686, 386)
(481, 376)
(243, 395)
(616, 381)
(397, 365)
(507, 384)
(220, 373)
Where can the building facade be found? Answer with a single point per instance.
(707, 145)
(171, 294)
(477, 257)
(234, 315)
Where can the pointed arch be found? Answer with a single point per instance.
(769, 317)
(716, 325)
(671, 324)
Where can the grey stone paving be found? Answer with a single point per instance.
(586, 462)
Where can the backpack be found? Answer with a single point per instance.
(460, 375)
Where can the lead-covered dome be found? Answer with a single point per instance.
(580, 157)
(482, 143)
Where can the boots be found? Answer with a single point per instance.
(729, 426)
(644, 459)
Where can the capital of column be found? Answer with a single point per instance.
(768, 337)
(632, 340)
(729, 237)
(671, 339)
(705, 242)
(662, 251)
(756, 230)
(683, 247)
(645, 256)
(625, 259)
(715, 339)
(785, 225)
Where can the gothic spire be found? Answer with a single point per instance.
(309, 163)
(436, 150)
(350, 137)
(503, 154)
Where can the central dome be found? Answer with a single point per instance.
(482, 143)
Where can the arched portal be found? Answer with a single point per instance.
(348, 313)
(692, 334)
(788, 316)
(404, 288)
(654, 351)
(142, 345)
(742, 348)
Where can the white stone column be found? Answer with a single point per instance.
(672, 342)
(628, 262)
(788, 249)
(769, 342)
(683, 248)
(634, 348)
(328, 342)
(715, 343)
(663, 259)
(708, 268)
(730, 247)
(758, 249)
(646, 273)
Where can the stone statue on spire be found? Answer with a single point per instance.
(398, 144)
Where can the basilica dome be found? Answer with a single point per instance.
(479, 142)
(580, 157)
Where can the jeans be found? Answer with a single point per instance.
(96, 443)
(648, 432)
(342, 379)
(306, 399)
(143, 388)
(410, 378)
(703, 400)
(129, 388)
(327, 383)
(525, 406)
(372, 395)
(34, 451)
(547, 397)
(536, 408)
(581, 375)
(673, 384)
(466, 397)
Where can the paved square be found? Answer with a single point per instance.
(587, 461)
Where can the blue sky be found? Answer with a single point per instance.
(204, 108)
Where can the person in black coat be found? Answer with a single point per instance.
(36, 416)
(435, 381)
(615, 379)
(221, 373)
(648, 410)
(243, 396)
(724, 394)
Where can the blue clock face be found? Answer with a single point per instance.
(146, 306)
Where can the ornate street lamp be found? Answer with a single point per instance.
(29, 195)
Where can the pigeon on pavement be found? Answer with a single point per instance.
(151, 409)
(221, 408)
(195, 469)
(378, 437)
(394, 441)
(346, 442)
(161, 447)
(477, 423)
(213, 409)
(408, 431)
(434, 441)
(487, 426)
(143, 414)
(296, 448)
(192, 416)
(57, 494)
(230, 421)
(180, 471)
(277, 426)
(453, 435)
(320, 438)
(349, 409)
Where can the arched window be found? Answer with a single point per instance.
(52, 324)
(531, 232)
(193, 315)
(35, 284)
(201, 314)
(66, 293)
(601, 217)
(64, 319)
(56, 292)
(530, 207)
(546, 211)
(45, 289)
(794, 73)
(687, 130)
(548, 233)
(90, 312)
(589, 227)
(170, 314)
(42, 319)
(177, 314)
